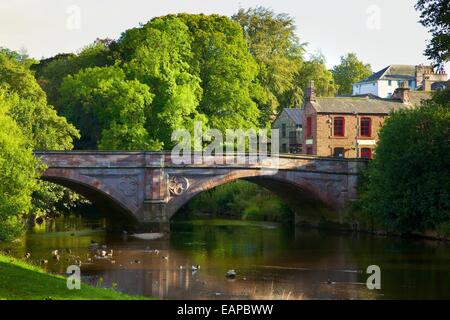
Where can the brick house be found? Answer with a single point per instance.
(289, 124)
(348, 126)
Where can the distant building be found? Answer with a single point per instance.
(348, 126)
(384, 82)
(289, 123)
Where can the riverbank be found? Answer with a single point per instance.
(22, 281)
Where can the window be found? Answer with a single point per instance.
(283, 130)
(338, 152)
(339, 127)
(366, 127)
(308, 127)
(309, 150)
(283, 148)
(293, 138)
(389, 83)
(366, 153)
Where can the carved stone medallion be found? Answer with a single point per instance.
(178, 185)
(128, 185)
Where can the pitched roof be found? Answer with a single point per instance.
(360, 105)
(393, 72)
(295, 114)
(367, 105)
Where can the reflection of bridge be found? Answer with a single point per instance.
(149, 187)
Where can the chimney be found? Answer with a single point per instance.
(402, 92)
(310, 94)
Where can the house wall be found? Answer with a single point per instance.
(283, 118)
(323, 142)
(380, 88)
(365, 88)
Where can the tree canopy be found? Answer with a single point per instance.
(278, 52)
(435, 15)
(408, 183)
(349, 71)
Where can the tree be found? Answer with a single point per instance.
(110, 110)
(42, 127)
(349, 71)
(278, 52)
(158, 54)
(315, 69)
(51, 72)
(40, 123)
(18, 173)
(435, 15)
(220, 58)
(407, 184)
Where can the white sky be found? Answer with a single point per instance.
(381, 32)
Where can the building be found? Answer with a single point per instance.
(348, 126)
(384, 82)
(289, 124)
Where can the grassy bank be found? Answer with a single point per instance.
(20, 280)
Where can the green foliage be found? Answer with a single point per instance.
(18, 170)
(407, 185)
(316, 70)
(349, 71)
(51, 72)
(39, 122)
(435, 15)
(242, 200)
(227, 71)
(108, 108)
(277, 50)
(25, 102)
(158, 55)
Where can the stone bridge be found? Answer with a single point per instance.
(148, 188)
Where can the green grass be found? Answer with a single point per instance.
(22, 281)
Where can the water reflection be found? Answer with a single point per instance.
(272, 262)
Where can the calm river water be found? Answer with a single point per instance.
(271, 261)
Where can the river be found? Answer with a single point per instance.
(271, 261)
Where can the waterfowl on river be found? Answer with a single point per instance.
(231, 274)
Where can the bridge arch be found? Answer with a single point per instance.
(302, 195)
(108, 200)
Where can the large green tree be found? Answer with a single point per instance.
(39, 123)
(159, 55)
(18, 173)
(407, 185)
(435, 15)
(110, 110)
(227, 71)
(51, 72)
(315, 69)
(278, 52)
(349, 71)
